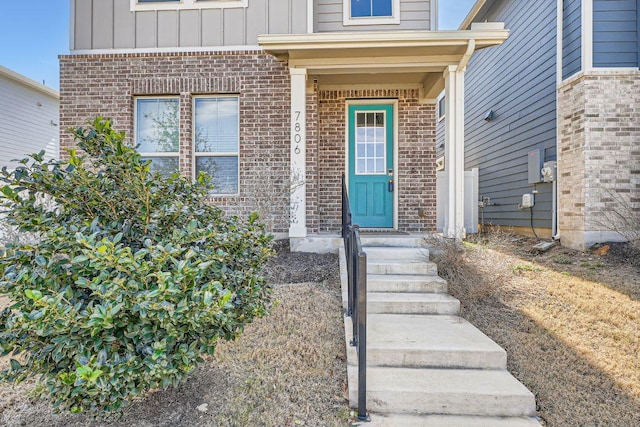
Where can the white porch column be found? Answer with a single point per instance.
(454, 151)
(298, 201)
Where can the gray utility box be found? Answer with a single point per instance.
(535, 166)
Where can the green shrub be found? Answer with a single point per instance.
(133, 278)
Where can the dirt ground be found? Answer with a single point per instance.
(569, 321)
(287, 369)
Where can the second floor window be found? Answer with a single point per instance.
(371, 8)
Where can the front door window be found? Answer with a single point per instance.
(371, 154)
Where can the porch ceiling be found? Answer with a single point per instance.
(373, 58)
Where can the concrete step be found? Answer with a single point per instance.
(406, 254)
(443, 392)
(406, 283)
(412, 341)
(410, 303)
(400, 420)
(401, 267)
(394, 241)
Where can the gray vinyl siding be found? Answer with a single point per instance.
(615, 33)
(26, 117)
(520, 88)
(110, 24)
(571, 38)
(414, 15)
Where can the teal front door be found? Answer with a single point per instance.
(371, 185)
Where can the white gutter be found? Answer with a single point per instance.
(471, 47)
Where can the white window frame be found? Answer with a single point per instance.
(146, 154)
(187, 4)
(385, 121)
(196, 154)
(441, 111)
(371, 20)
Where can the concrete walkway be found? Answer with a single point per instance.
(426, 366)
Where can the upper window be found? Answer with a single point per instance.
(184, 4)
(216, 141)
(157, 133)
(371, 12)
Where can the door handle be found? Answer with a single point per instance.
(390, 186)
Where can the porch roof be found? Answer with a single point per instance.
(416, 58)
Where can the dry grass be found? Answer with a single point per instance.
(287, 369)
(572, 337)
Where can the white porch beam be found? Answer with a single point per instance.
(298, 200)
(454, 151)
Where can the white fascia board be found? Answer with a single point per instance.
(475, 9)
(25, 81)
(368, 39)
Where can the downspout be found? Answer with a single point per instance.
(471, 47)
(555, 233)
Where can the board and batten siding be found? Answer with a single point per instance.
(615, 33)
(517, 80)
(414, 15)
(110, 24)
(29, 120)
(571, 38)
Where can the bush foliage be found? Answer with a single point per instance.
(132, 281)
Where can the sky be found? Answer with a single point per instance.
(33, 33)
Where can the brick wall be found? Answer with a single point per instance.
(416, 184)
(92, 85)
(598, 155)
(107, 85)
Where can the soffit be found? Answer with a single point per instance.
(390, 57)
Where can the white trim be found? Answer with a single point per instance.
(559, 72)
(433, 25)
(475, 9)
(559, 40)
(440, 115)
(196, 154)
(310, 16)
(394, 103)
(212, 49)
(587, 35)
(298, 128)
(454, 151)
(394, 19)
(187, 4)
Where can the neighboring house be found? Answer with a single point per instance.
(563, 90)
(276, 99)
(28, 118)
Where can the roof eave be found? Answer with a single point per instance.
(278, 43)
(25, 81)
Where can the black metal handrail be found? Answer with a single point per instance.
(357, 296)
